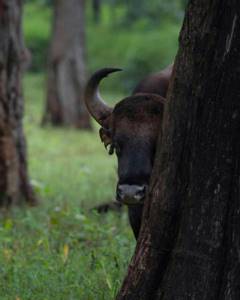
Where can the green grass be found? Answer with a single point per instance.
(61, 250)
(70, 161)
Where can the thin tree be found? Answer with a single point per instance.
(190, 239)
(96, 6)
(14, 183)
(66, 68)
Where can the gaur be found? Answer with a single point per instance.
(131, 129)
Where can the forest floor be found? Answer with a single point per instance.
(61, 249)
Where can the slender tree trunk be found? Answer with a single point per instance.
(66, 70)
(14, 182)
(96, 4)
(189, 243)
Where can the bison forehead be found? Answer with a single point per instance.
(135, 129)
(139, 107)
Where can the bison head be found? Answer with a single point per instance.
(130, 129)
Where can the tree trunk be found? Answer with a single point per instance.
(96, 4)
(14, 182)
(189, 243)
(66, 71)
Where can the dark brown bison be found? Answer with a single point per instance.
(131, 129)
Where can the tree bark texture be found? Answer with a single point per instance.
(66, 71)
(14, 183)
(189, 245)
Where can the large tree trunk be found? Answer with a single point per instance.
(189, 243)
(66, 70)
(14, 182)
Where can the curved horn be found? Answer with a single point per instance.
(95, 104)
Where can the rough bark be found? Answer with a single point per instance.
(66, 69)
(14, 183)
(190, 239)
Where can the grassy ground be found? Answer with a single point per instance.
(60, 250)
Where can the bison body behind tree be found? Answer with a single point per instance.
(156, 83)
(130, 129)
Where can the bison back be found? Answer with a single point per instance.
(155, 83)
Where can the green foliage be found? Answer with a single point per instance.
(37, 28)
(139, 49)
(139, 52)
(60, 250)
(41, 2)
(154, 11)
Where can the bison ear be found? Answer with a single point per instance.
(105, 135)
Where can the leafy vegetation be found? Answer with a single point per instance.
(37, 30)
(139, 49)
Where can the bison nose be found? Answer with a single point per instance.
(130, 194)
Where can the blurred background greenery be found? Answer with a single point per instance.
(139, 36)
(61, 249)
